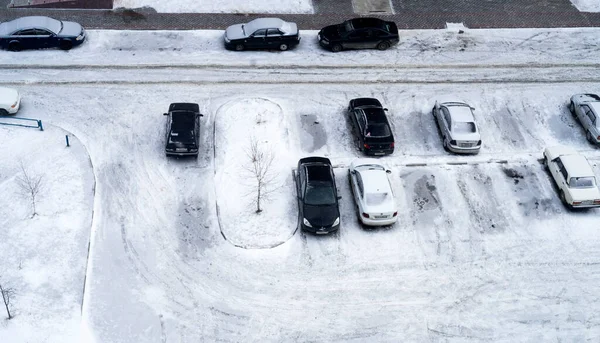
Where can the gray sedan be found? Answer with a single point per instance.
(457, 126)
(39, 32)
(586, 108)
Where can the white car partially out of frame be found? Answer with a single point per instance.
(10, 100)
(574, 177)
(372, 191)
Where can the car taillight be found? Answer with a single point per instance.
(395, 214)
(392, 145)
(598, 138)
(366, 215)
(576, 202)
(597, 202)
(366, 146)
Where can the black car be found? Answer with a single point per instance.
(39, 32)
(359, 33)
(183, 129)
(318, 208)
(262, 33)
(371, 126)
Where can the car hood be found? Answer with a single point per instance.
(4, 29)
(8, 96)
(578, 194)
(70, 29)
(330, 32)
(235, 32)
(321, 216)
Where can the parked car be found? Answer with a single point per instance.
(359, 33)
(371, 126)
(457, 126)
(183, 129)
(262, 33)
(372, 191)
(574, 177)
(586, 109)
(10, 100)
(39, 32)
(318, 207)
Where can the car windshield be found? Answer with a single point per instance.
(374, 199)
(582, 182)
(464, 127)
(377, 130)
(54, 25)
(319, 193)
(346, 27)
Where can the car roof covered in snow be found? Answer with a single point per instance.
(577, 166)
(30, 22)
(375, 180)
(460, 112)
(268, 23)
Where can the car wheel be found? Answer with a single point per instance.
(445, 143)
(14, 46)
(383, 45)
(283, 47)
(66, 45)
(239, 47)
(336, 48)
(3, 112)
(572, 109)
(588, 135)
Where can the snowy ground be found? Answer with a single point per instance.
(482, 251)
(587, 5)
(221, 6)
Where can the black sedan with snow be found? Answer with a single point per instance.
(359, 33)
(183, 129)
(370, 125)
(318, 208)
(262, 33)
(37, 32)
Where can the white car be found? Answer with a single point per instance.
(373, 196)
(10, 100)
(573, 176)
(457, 126)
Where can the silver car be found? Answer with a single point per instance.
(457, 126)
(586, 108)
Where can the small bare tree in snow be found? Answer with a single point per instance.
(7, 295)
(261, 159)
(30, 186)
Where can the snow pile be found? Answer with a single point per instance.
(238, 124)
(226, 6)
(587, 5)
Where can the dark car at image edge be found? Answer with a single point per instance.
(183, 129)
(37, 32)
(318, 207)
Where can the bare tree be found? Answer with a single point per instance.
(261, 160)
(30, 185)
(7, 294)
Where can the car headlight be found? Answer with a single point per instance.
(227, 40)
(81, 36)
(336, 222)
(306, 222)
(325, 41)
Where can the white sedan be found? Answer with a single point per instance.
(373, 196)
(573, 176)
(10, 100)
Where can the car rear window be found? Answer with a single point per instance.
(464, 127)
(582, 182)
(319, 193)
(376, 198)
(378, 130)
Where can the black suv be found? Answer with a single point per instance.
(183, 129)
(318, 208)
(359, 33)
(371, 126)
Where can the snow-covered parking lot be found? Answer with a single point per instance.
(483, 249)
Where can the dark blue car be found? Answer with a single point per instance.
(39, 32)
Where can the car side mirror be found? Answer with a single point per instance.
(472, 108)
(165, 114)
(385, 109)
(353, 172)
(339, 197)
(199, 115)
(388, 171)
